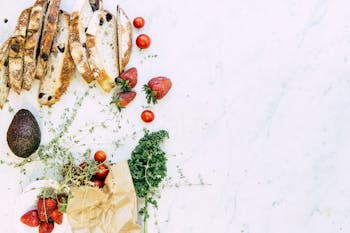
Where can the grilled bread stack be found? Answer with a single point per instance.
(48, 44)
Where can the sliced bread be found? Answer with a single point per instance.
(60, 65)
(49, 31)
(4, 72)
(101, 45)
(32, 41)
(16, 52)
(124, 29)
(79, 21)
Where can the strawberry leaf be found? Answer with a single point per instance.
(116, 101)
(150, 94)
(124, 84)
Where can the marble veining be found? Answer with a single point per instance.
(259, 112)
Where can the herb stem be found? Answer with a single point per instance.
(145, 217)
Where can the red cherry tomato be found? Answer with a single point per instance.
(100, 156)
(97, 182)
(147, 116)
(139, 22)
(143, 41)
(102, 171)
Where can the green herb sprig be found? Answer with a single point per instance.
(148, 169)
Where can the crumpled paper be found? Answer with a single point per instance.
(110, 210)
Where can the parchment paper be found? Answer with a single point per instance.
(110, 210)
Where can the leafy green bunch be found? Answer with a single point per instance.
(148, 169)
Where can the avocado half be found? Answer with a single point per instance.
(23, 134)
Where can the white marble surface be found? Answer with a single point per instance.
(259, 109)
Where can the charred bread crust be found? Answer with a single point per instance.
(32, 42)
(16, 51)
(4, 72)
(48, 34)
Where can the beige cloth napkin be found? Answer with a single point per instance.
(110, 210)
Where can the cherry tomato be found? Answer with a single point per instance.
(97, 182)
(139, 22)
(102, 171)
(143, 41)
(100, 156)
(147, 116)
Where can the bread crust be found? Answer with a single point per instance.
(77, 42)
(48, 35)
(4, 72)
(124, 31)
(32, 41)
(16, 51)
(66, 73)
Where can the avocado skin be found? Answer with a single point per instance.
(23, 134)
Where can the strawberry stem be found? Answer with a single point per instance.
(124, 84)
(116, 101)
(150, 94)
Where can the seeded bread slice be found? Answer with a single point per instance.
(49, 31)
(4, 72)
(124, 29)
(79, 22)
(101, 45)
(32, 41)
(60, 65)
(16, 52)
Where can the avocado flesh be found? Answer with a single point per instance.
(23, 134)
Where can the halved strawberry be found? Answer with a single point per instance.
(30, 218)
(157, 88)
(127, 79)
(46, 227)
(57, 216)
(123, 99)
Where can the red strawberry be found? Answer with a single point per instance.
(46, 227)
(157, 88)
(45, 208)
(30, 218)
(127, 79)
(50, 204)
(57, 216)
(123, 99)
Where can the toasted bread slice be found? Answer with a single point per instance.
(79, 22)
(4, 72)
(32, 41)
(60, 65)
(16, 52)
(49, 31)
(101, 45)
(124, 30)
